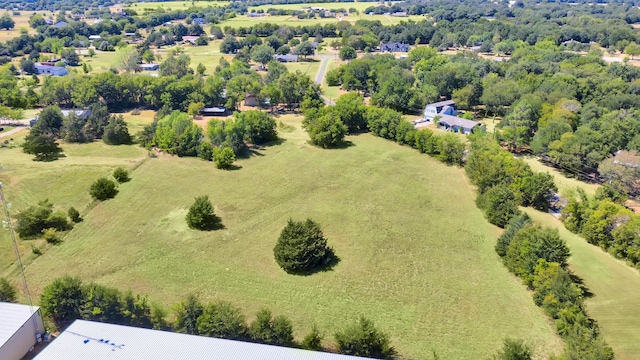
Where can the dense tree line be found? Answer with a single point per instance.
(539, 257)
(67, 299)
(504, 182)
(328, 125)
(604, 221)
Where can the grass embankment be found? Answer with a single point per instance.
(416, 254)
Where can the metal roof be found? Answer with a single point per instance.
(454, 120)
(96, 341)
(442, 103)
(12, 318)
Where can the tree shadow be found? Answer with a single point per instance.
(330, 261)
(214, 225)
(232, 167)
(50, 158)
(254, 150)
(344, 145)
(580, 283)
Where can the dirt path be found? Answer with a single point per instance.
(12, 131)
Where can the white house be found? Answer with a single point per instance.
(97, 341)
(20, 328)
(447, 107)
(456, 124)
(45, 69)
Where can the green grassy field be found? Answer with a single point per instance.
(245, 21)
(360, 6)
(616, 287)
(173, 5)
(563, 182)
(416, 254)
(21, 22)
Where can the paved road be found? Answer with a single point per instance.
(11, 132)
(321, 71)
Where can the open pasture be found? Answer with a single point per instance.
(416, 255)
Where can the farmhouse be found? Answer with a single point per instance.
(214, 111)
(190, 39)
(456, 124)
(286, 58)
(394, 47)
(20, 328)
(447, 107)
(94, 340)
(198, 20)
(50, 69)
(60, 24)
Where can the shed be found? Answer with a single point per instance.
(250, 100)
(150, 67)
(198, 20)
(96, 341)
(94, 37)
(214, 111)
(286, 58)
(20, 327)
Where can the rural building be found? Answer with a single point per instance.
(49, 69)
(93, 340)
(286, 58)
(191, 39)
(447, 107)
(60, 24)
(214, 111)
(456, 124)
(627, 158)
(257, 14)
(394, 47)
(81, 113)
(314, 44)
(400, 14)
(94, 37)
(250, 100)
(198, 20)
(20, 328)
(48, 21)
(150, 67)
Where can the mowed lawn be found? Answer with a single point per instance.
(416, 255)
(173, 5)
(616, 289)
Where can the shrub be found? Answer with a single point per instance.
(187, 315)
(268, 330)
(514, 349)
(302, 248)
(36, 250)
(222, 320)
(35, 219)
(121, 175)
(205, 152)
(224, 157)
(51, 236)
(499, 204)
(201, 215)
(327, 131)
(135, 112)
(363, 339)
(515, 224)
(7, 291)
(116, 132)
(74, 215)
(313, 340)
(103, 189)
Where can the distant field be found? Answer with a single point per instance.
(245, 21)
(416, 254)
(616, 287)
(22, 22)
(310, 68)
(563, 182)
(173, 5)
(360, 6)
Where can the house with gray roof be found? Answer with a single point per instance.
(447, 107)
(456, 124)
(394, 47)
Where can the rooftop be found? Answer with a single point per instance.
(12, 318)
(454, 120)
(93, 340)
(443, 103)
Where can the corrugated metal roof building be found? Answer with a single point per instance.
(96, 341)
(19, 325)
